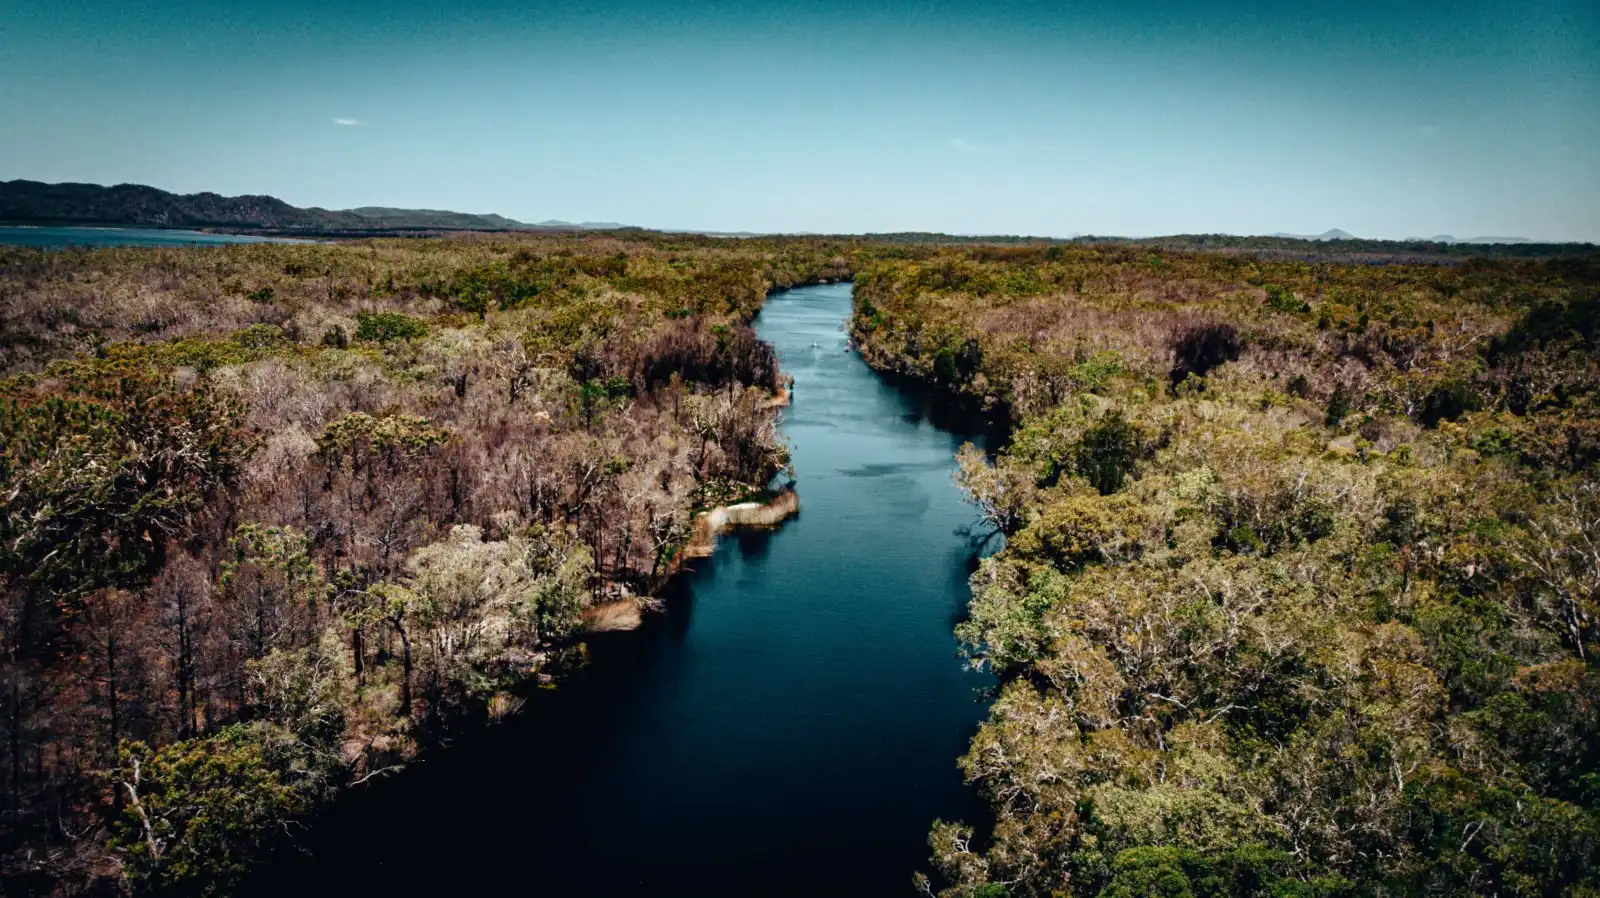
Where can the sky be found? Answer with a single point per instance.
(1004, 117)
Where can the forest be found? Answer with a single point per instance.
(1297, 589)
(1299, 592)
(278, 518)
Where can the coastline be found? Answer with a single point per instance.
(175, 235)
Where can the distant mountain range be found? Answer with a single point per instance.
(32, 202)
(1446, 238)
(386, 217)
(583, 225)
(1337, 234)
(1334, 234)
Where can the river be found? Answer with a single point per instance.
(790, 725)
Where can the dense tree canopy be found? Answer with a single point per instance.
(278, 517)
(1299, 594)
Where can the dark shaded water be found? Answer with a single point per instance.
(60, 238)
(790, 726)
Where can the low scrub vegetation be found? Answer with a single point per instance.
(1298, 593)
(278, 517)
(1299, 587)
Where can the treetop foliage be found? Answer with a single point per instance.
(282, 516)
(1299, 592)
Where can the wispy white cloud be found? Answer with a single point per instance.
(962, 145)
(349, 122)
(1428, 130)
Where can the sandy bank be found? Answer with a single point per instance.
(782, 398)
(708, 525)
(610, 617)
(627, 613)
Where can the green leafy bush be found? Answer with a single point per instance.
(197, 813)
(386, 327)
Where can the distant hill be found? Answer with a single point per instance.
(32, 202)
(1353, 247)
(1334, 234)
(1446, 238)
(383, 216)
(132, 204)
(582, 225)
(1337, 234)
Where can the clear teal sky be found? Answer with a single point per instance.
(1385, 119)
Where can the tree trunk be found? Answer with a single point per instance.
(16, 740)
(185, 668)
(111, 688)
(356, 652)
(405, 666)
(111, 702)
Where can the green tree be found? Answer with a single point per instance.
(1108, 452)
(199, 812)
(387, 327)
(271, 588)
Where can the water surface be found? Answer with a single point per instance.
(60, 238)
(790, 726)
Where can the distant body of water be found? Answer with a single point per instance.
(61, 238)
(791, 724)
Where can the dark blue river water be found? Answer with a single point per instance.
(790, 726)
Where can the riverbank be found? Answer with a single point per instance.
(416, 488)
(785, 727)
(629, 613)
(708, 525)
(1239, 482)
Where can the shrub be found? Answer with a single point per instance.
(97, 482)
(1202, 348)
(199, 811)
(1109, 451)
(1339, 404)
(1447, 402)
(386, 327)
(336, 338)
(1577, 321)
(1282, 299)
(1096, 372)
